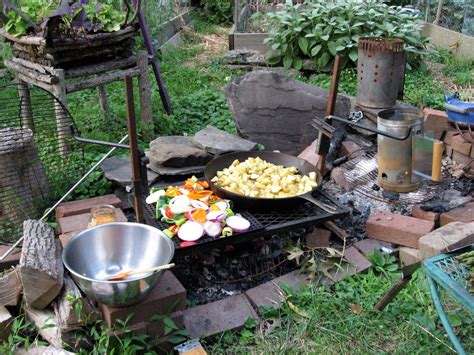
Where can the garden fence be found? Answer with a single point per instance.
(456, 15)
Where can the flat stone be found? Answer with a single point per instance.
(367, 246)
(216, 141)
(178, 155)
(217, 317)
(181, 140)
(318, 238)
(168, 292)
(79, 222)
(460, 214)
(417, 212)
(409, 256)
(449, 237)
(11, 260)
(168, 171)
(268, 294)
(72, 208)
(120, 171)
(276, 111)
(309, 154)
(289, 72)
(243, 57)
(396, 228)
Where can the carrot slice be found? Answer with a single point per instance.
(174, 229)
(204, 184)
(196, 195)
(199, 215)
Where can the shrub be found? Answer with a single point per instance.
(319, 30)
(218, 11)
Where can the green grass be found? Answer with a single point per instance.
(328, 321)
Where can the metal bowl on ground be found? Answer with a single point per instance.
(101, 252)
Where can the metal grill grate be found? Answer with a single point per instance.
(39, 160)
(362, 174)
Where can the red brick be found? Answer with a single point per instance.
(166, 293)
(156, 328)
(66, 237)
(11, 260)
(463, 159)
(309, 154)
(436, 121)
(367, 246)
(268, 294)
(82, 206)
(350, 149)
(409, 256)
(460, 145)
(396, 228)
(319, 238)
(79, 222)
(461, 214)
(417, 212)
(217, 317)
(448, 138)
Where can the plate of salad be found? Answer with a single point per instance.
(192, 211)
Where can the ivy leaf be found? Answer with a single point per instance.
(303, 43)
(315, 50)
(287, 62)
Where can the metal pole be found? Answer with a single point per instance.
(156, 69)
(134, 153)
(49, 211)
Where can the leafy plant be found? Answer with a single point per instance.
(383, 263)
(37, 10)
(218, 11)
(319, 30)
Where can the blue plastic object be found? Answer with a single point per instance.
(459, 111)
(443, 270)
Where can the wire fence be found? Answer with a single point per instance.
(457, 15)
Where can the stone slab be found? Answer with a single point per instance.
(79, 222)
(72, 208)
(168, 292)
(268, 294)
(216, 141)
(461, 214)
(183, 140)
(178, 155)
(318, 238)
(11, 260)
(367, 246)
(409, 256)
(396, 228)
(449, 237)
(120, 171)
(170, 171)
(217, 317)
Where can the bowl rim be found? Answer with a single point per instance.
(142, 225)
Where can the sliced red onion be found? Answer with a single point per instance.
(222, 205)
(216, 216)
(191, 231)
(238, 224)
(180, 204)
(199, 204)
(212, 229)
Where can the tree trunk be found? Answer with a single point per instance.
(438, 12)
(41, 267)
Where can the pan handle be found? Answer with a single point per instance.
(323, 206)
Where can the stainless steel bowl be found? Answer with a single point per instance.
(100, 252)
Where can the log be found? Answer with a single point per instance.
(47, 325)
(67, 317)
(34, 66)
(42, 350)
(103, 101)
(31, 40)
(41, 267)
(146, 109)
(26, 108)
(63, 121)
(103, 79)
(46, 78)
(10, 288)
(101, 67)
(6, 321)
(33, 82)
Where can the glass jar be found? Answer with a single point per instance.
(102, 214)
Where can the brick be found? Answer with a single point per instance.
(396, 228)
(6, 321)
(417, 212)
(367, 246)
(217, 317)
(448, 138)
(268, 294)
(449, 237)
(309, 154)
(436, 121)
(463, 159)
(164, 295)
(319, 238)
(11, 260)
(156, 329)
(338, 175)
(350, 149)
(66, 237)
(463, 214)
(357, 263)
(79, 222)
(409, 256)
(72, 208)
(460, 145)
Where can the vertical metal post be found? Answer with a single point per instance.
(134, 153)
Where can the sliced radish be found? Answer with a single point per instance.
(216, 216)
(191, 231)
(238, 224)
(186, 244)
(222, 205)
(199, 204)
(212, 229)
